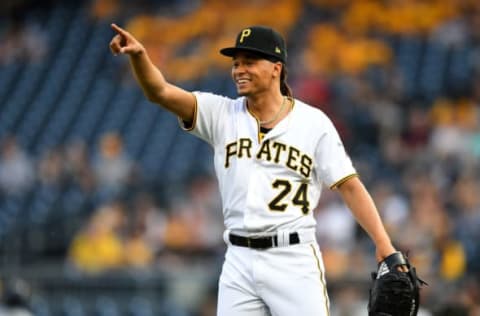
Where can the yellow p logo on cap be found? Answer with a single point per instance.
(245, 33)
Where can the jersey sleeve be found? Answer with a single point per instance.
(208, 116)
(334, 164)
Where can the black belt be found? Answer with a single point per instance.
(261, 242)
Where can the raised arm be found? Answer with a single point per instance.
(150, 78)
(363, 208)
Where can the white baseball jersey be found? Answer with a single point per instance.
(273, 183)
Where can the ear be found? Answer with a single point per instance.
(277, 69)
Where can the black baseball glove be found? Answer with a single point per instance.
(394, 293)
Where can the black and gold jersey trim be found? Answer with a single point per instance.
(322, 280)
(342, 181)
(261, 130)
(189, 126)
(260, 134)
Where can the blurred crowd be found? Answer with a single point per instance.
(418, 153)
(129, 223)
(21, 39)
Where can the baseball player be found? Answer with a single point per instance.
(273, 154)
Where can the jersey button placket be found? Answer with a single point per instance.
(250, 217)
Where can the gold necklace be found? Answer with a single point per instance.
(276, 115)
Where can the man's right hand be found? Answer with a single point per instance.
(124, 42)
(157, 90)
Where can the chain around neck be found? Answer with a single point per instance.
(275, 117)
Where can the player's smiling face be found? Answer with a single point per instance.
(252, 74)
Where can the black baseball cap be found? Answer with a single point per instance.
(261, 40)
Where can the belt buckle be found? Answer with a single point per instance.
(249, 242)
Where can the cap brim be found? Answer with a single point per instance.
(231, 51)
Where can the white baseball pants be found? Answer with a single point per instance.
(280, 281)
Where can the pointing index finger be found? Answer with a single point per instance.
(118, 29)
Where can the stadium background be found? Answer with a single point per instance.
(107, 208)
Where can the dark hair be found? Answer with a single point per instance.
(284, 87)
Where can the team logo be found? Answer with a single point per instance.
(245, 33)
